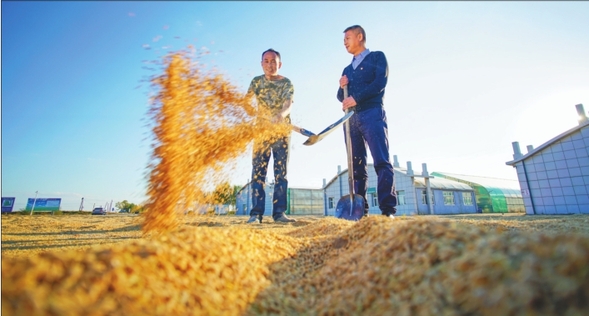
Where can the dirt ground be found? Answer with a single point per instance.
(483, 264)
(25, 235)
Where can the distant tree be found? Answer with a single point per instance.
(134, 208)
(225, 194)
(125, 205)
(236, 188)
(121, 205)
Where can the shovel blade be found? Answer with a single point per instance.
(312, 140)
(307, 133)
(316, 138)
(352, 210)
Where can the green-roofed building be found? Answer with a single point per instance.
(300, 201)
(492, 195)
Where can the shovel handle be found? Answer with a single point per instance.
(349, 152)
(304, 132)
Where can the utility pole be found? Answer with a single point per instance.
(81, 205)
(247, 198)
(34, 201)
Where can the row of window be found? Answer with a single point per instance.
(374, 199)
(448, 198)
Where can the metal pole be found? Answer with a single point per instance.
(350, 157)
(428, 194)
(34, 201)
(247, 198)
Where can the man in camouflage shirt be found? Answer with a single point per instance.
(274, 92)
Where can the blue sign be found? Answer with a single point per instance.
(43, 205)
(7, 204)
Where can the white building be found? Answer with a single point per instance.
(448, 197)
(493, 195)
(417, 194)
(554, 178)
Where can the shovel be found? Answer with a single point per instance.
(350, 207)
(315, 138)
(302, 131)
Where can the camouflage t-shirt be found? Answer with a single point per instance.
(272, 94)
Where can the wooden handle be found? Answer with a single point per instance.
(350, 156)
(302, 131)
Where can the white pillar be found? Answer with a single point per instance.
(34, 201)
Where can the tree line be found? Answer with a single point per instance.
(224, 194)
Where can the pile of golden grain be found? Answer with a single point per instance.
(326, 267)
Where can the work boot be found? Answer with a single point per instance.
(254, 220)
(390, 213)
(283, 219)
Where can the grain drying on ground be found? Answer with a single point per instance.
(167, 263)
(493, 265)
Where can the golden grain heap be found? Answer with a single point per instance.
(202, 123)
(324, 267)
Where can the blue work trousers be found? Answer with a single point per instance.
(369, 128)
(261, 156)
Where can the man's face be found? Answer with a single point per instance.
(352, 42)
(271, 63)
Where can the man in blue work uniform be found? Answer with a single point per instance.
(366, 78)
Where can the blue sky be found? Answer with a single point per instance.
(466, 79)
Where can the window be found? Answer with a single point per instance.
(424, 197)
(448, 197)
(467, 198)
(374, 199)
(330, 202)
(401, 198)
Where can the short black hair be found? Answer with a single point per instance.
(271, 50)
(357, 28)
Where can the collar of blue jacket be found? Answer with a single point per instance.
(358, 59)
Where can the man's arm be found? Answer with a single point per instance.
(287, 95)
(284, 112)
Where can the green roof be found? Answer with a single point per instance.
(507, 186)
(492, 194)
(441, 183)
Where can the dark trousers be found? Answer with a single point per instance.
(369, 128)
(261, 156)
